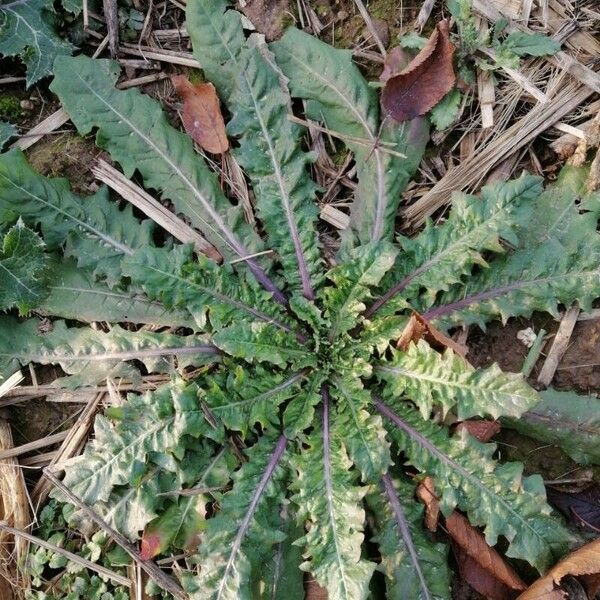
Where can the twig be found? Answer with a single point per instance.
(559, 345)
(88, 564)
(162, 579)
(423, 15)
(169, 56)
(13, 381)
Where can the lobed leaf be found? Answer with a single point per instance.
(429, 378)
(75, 295)
(329, 499)
(227, 552)
(27, 29)
(352, 280)
(172, 276)
(415, 567)
(23, 269)
(441, 255)
(135, 131)
(337, 94)
(94, 230)
(90, 356)
(494, 496)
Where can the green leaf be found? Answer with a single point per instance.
(494, 496)
(27, 29)
(242, 397)
(300, 410)
(269, 143)
(243, 523)
(94, 230)
(329, 499)
(177, 526)
(441, 255)
(363, 433)
(352, 280)
(7, 131)
(556, 262)
(429, 378)
(75, 295)
(134, 130)
(415, 567)
(262, 342)
(445, 112)
(23, 269)
(172, 276)
(338, 94)
(280, 574)
(131, 463)
(530, 44)
(565, 419)
(91, 355)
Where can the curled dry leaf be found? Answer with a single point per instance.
(481, 430)
(424, 82)
(585, 561)
(472, 543)
(418, 328)
(202, 117)
(426, 494)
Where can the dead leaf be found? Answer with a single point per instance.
(585, 561)
(266, 15)
(582, 508)
(426, 494)
(480, 579)
(481, 430)
(395, 61)
(202, 117)
(418, 328)
(425, 81)
(472, 543)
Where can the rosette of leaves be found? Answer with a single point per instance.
(304, 421)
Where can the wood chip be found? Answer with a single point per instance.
(335, 217)
(559, 345)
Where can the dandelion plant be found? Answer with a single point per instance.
(292, 431)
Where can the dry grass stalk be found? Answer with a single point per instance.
(55, 438)
(152, 208)
(364, 13)
(423, 15)
(169, 56)
(335, 217)
(38, 460)
(470, 172)
(112, 25)
(120, 579)
(48, 125)
(239, 187)
(146, 79)
(559, 345)
(561, 59)
(14, 509)
(71, 446)
(13, 381)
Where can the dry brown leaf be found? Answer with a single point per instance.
(481, 430)
(202, 117)
(395, 61)
(418, 328)
(585, 561)
(480, 579)
(425, 81)
(472, 542)
(426, 494)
